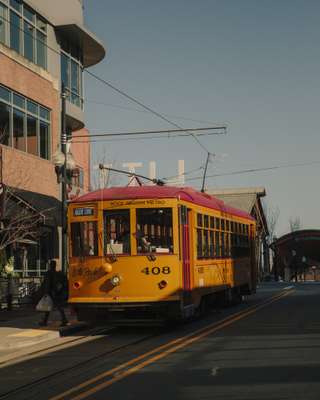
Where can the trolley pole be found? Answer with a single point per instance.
(64, 183)
(205, 172)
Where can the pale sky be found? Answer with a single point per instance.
(252, 64)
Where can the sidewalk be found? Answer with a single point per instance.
(20, 332)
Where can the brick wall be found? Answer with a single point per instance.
(20, 169)
(81, 153)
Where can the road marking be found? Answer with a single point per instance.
(120, 372)
(288, 287)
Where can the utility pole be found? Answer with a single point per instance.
(64, 183)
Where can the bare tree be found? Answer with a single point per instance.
(295, 224)
(272, 216)
(19, 220)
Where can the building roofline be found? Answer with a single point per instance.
(259, 191)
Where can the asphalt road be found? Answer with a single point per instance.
(265, 348)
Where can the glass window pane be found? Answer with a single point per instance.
(15, 31)
(32, 107)
(5, 124)
(28, 13)
(84, 239)
(5, 94)
(16, 4)
(41, 50)
(44, 140)
(75, 99)
(41, 24)
(44, 113)
(32, 146)
(28, 41)
(74, 77)
(19, 141)
(65, 71)
(154, 230)
(3, 23)
(18, 100)
(117, 232)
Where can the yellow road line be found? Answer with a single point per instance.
(177, 343)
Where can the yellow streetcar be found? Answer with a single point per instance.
(156, 253)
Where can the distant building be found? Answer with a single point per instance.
(297, 255)
(43, 44)
(249, 200)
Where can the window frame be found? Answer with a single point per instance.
(27, 112)
(24, 20)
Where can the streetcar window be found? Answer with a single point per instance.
(227, 225)
(117, 231)
(154, 232)
(222, 224)
(217, 242)
(223, 250)
(217, 223)
(199, 243)
(212, 222)
(199, 219)
(206, 221)
(206, 244)
(211, 245)
(84, 240)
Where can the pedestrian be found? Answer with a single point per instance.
(55, 286)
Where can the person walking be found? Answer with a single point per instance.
(55, 286)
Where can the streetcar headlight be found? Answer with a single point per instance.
(115, 280)
(107, 267)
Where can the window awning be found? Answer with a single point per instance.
(93, 49)
(48, 208)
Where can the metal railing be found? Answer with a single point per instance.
(19, 291)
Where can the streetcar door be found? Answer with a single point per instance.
(186, 256)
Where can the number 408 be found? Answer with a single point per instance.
(156, 270)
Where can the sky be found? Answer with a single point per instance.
(251, 64)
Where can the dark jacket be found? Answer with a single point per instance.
(55, 284)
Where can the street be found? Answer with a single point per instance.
(265, 348)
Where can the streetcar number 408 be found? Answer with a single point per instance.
(156, 270)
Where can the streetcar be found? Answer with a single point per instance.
(156, 253)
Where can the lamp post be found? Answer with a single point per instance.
(64, 163)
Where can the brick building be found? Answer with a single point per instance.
(43, 44)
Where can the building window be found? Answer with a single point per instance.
(28, 31)
(5, 124)
(24, 124)
(71, 73)
(3, 23)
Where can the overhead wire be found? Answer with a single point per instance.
(114, 88)
(133, 133)
(106, 139)
(201, 121)
(253, 170)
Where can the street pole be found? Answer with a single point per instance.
(64, 184)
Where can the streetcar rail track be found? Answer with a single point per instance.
(43, 379)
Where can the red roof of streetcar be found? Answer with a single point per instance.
(161, 192)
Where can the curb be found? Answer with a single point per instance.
(71, 329)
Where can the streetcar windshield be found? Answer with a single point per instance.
(117, 231)
(84, 239)
(154, 233)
